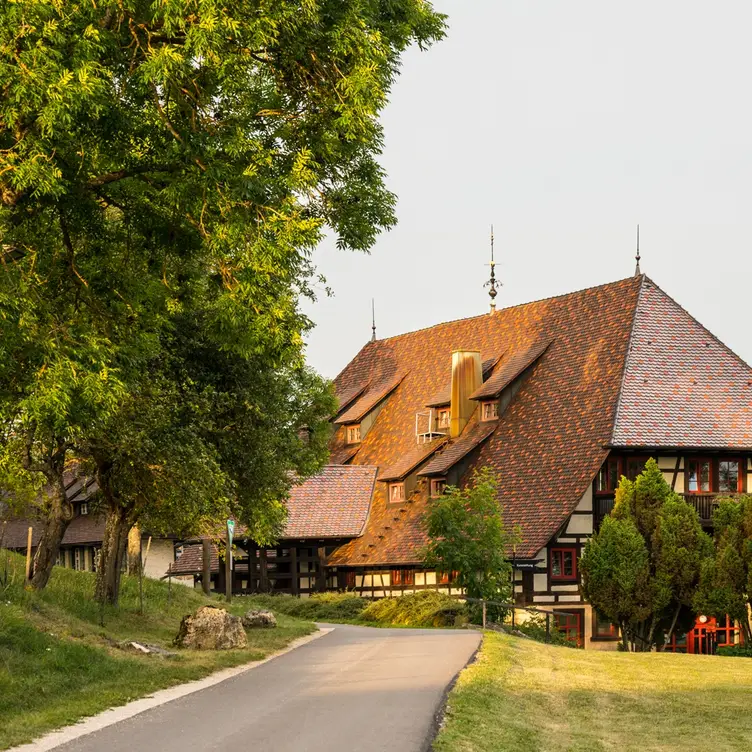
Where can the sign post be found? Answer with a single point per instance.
(228, 560)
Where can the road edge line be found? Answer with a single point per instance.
(111, 716)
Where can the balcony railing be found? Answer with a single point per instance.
(704, 503)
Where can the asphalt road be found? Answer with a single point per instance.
(355, 689)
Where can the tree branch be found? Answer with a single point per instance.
(116, 175)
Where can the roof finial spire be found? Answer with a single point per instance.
(637, 271)
(373, 320)
(491, 284)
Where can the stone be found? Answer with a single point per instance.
(255, 619)
(211, 628)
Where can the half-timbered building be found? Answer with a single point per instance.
(560, 397)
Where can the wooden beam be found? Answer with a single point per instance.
(321, 572)
(264, 572)
(206, 566)
(294, 570)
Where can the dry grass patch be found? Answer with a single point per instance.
(521, 695)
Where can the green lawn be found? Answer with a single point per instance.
(521, 695)
(57, 664)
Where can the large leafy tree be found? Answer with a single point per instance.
(162, 159)
(644, 564)
(467, 536)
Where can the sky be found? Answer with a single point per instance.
(565, 124)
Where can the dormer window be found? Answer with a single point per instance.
(438, 486)
(443, 417)
(84, 508)
(396, 492)
(489, 410)
(353, 434)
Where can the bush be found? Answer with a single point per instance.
(535, 629)
(736, 651)
(319, 607)
(426, 608)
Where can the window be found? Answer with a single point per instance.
(78, 559)
(563, 564)
(353, 434)
(635, 465)
(403, 577)
(84, 508)
(438, 486)
(727, 631)
(570, 625)
(608, 476)
(603, 629)
(490, 410)
(443, 418)
(698, 476)
(729, 476)
(396, 492)
(446, 578)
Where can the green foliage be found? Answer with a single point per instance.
(426, 608)
(726, 582)
(466, 530)
(165, 171)
(326, 607)
(535, 629)
(735, 651)
(644, 564)
(615, 567)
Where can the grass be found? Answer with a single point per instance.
(524, 696)
(58, 665)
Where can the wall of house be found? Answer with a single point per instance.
(378, 583)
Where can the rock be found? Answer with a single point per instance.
(211, 628)
(147, 649)
(255, 619)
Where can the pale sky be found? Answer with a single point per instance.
(563, 123)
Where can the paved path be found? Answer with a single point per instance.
(356, 689)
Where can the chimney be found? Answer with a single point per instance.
(466, 378)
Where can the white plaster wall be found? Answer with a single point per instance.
(540, 582)
(586, 502)
(580, 524)
(161, 555)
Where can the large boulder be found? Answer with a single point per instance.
(211, 628)
(258, 618)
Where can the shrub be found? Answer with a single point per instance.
(535, 629)
(426, 608)
(319, 607)
(736, 651)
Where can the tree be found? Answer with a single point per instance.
(642, 571)
(615, 568)
(155, 153)
(467, 536)
(726, 583)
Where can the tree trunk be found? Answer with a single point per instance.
(112, 557)
(624, 636)
(673, 626)
(55, 524)
(134, 551)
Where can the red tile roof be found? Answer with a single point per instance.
(410, 460)
(548, 444)
(333, 504)
(511, 367)
(191, 561)
(473, 436)
(682, 386)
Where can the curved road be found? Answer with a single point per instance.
(356, 688)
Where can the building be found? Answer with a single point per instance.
(560, 397)
(83, 537)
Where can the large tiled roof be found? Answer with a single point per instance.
(549, 442)
(333, 504)
(682, 386)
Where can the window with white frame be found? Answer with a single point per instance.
(84, 508)
(78, 559)
(490, 410)
(353, 434)
(396, 492)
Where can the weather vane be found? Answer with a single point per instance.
(637, 271)
(492, 283)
